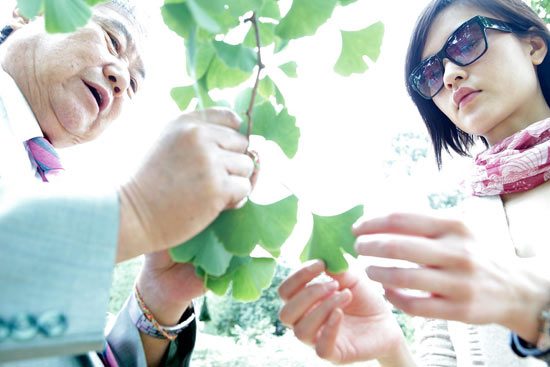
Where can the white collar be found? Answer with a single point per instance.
(21, 119)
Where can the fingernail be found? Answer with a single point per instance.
(333, 285)
(343, 295)
(316, 265)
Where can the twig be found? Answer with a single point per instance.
(254, 20)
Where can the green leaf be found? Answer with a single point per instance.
(29, 8)
(95, 2)
(219, 75)
(346, 2)
(243, 101)
(178, 18)
(270, 10)
(240, 7)
(219, 285)
(355, 45)
(279, 96)
(183, 96)
(304, 17)
(331, 236)
(203, 19)
(253, 277)
(236, 56)
(64, 16)
(280, 128)
(203, 58)
(289, 69)
(267, 35)
(206, 251)
(266, 225)
(266, 87)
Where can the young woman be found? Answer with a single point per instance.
(475, 68)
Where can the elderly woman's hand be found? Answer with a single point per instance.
(459, 282)
(345, 319)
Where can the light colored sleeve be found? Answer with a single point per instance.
(434, 346)
(57, 252)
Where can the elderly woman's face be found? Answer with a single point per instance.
(77, 84)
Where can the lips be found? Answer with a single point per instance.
(463, 96)
(100, 95)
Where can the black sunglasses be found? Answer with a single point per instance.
(465, 46)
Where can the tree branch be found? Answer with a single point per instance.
(254, 20)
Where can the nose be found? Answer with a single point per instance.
(453, 74)
(119, 78)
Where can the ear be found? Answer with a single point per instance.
(17, 19)
(537, 49)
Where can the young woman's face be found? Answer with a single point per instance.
(497, 95)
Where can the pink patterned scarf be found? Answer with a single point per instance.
(518, 163)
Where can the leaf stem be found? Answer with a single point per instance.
(254, 20)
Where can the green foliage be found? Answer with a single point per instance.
(542, 8)
(221, 253)
(230, 317)
(445, 200)
(304, 18)
(331, 237)
(357, 44)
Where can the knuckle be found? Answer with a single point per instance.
(395, 219)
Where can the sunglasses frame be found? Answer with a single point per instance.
(484, 23)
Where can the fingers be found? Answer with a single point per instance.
(239, 164)
(409, 224)
(229, 139)
(218, 116)
(326, 344)
(307, 327)
(423, 279)
(419, 250)
(298, 280)
(237, 188)
(432, 307)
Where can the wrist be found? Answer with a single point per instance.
(132, 237)
(165, 311)
(398, 353)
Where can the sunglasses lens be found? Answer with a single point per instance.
(428, 78)
(467, 44)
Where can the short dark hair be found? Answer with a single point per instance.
(444, 134)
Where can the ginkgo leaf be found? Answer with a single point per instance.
(63, 16)
(203, 57)
(304, 18)
(219, 75)
(266, 87)
(183, 96)
(204, 250)
(236, 56)
(289, 69)
(286, 135)
(266, 225)
(239, 7)
(331, 237)
(178, 18)
(203, 19)
(270, 10)
(357, 44)
(267, 35)
(29, 8)
(95, 2)
(346, 2)
(253, 277)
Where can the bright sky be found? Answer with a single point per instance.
(347, 124)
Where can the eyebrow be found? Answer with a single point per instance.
(120, 27)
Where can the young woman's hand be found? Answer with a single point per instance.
(460, 283)
(345, 319)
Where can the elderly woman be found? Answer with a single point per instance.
(58, 242)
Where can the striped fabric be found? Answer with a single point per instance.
(107, 357)
(45, 156)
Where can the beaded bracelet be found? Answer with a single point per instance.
(146, 322)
